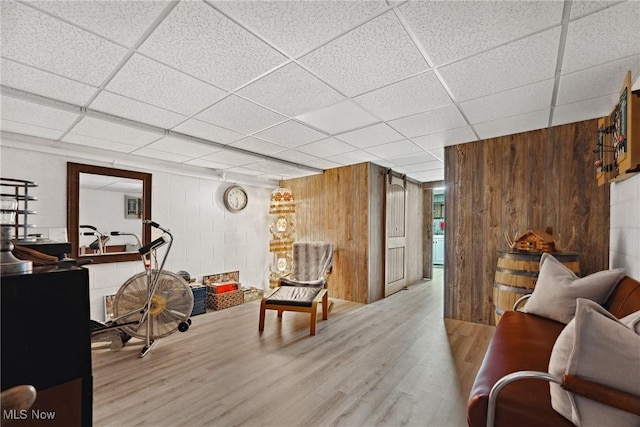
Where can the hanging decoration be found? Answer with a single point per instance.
(283, 209)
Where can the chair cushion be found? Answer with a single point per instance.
(301, 296)
(288, 282)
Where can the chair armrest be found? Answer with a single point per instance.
(602, 393)
(589, 389)
(520, 300)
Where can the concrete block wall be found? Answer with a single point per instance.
(625, 226)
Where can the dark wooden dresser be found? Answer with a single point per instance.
(46, 343)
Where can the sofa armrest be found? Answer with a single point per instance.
(589, 389)
(602, 393)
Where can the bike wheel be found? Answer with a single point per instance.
(171, 304)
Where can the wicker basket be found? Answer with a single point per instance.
(253, 294)
(225, 299)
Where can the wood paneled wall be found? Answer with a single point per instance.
(345, 206)
(530, 180)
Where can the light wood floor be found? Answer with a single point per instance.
(391, 363)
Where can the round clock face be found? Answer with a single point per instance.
(235, 198)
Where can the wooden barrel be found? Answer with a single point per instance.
(517, 274)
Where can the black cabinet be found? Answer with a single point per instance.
(46, 341)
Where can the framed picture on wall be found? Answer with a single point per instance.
(132, 207)
(108, 307)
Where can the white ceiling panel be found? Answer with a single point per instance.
(438, 153)
(410, 96)
(377, 53)
(394, 149)
(27, 129)
(595, 82)
(511, 125)
(372, 135)
(433, 121)
(337, 118)
(446, 138)
(512, 102)
(456, 22)
(422, 167)
(36, 39)
(207, 131)
(291, 90)
(412, 159)
(291, 134)
(603, 37)
(180, 146)
(580, 8)
(353, 157)
(584, 110)
(121, 106)
(209, 164)
(39, 82)
(257, 145)
(428, 176)
(20, 111)
(323, 164)
(120, 21)
(295, 27)
(244, 170)
(326, 148)
(109, 131)
(184, 40)
(517, 64)
(161, 155)
(240, 115)
(104, 144)
(296, 156)
(233, 158)
(156, 84)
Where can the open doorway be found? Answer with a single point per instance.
(438, 228)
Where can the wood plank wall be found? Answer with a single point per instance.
(530, 180)
(345, 206)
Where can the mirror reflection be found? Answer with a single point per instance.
(110, 214)
(105, 212)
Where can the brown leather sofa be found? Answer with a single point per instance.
(523, 342)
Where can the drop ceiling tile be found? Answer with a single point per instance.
(233, 158)
(32, 130)
(337, 118)
(458, 24)
(28, 113)
(433, 121)
(429, 176)
(323, 164)
(446, 138)
(438, 153)
(295, 156)
(175, 145)
(584, 110)
(423, 167)
(200, 41)
(131, 109)
(372, 55)
(161, 155)
(207, 131)
(412, 159)
(104, 144)
(512, 102)
(394, 149)
(259, 146)
(39, 82)
(120, 21)
(512, 125)
(326, 148)
(148, 81)
(291, 134)
(101, 129)
(296, 27)
(273, 167)
(516, 64)
(596, 81)
(39, 40)
(291, 90)
(410, 96)
(353, 157)
(370, 136)
(244, 170)
(240, 115)
(580, 8)
(602, 37)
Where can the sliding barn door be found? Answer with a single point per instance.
(396, 239)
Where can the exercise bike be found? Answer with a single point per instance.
(149, 305)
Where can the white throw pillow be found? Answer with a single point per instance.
(557, 288)
(596, 346)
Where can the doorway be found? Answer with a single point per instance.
(438, 227)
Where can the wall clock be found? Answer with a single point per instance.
(235, 198)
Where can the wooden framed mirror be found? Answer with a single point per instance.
(105, 212)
